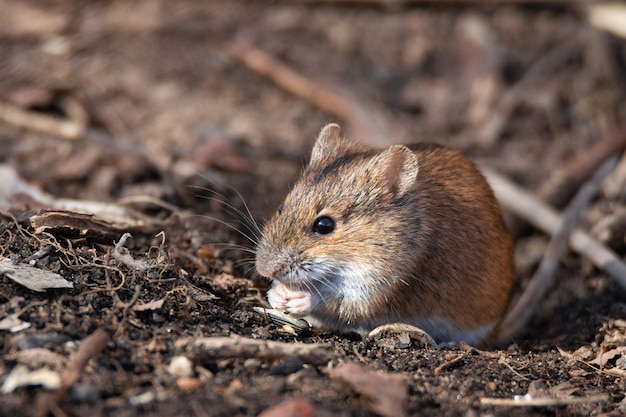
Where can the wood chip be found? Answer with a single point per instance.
(292, 407)
(387, 392)
(150, 306)
(74, 225)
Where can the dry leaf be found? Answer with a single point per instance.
(563, 390)
(603, 358)
(583, 353)
(32, 278)
(578, 372)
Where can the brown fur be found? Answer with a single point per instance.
(424, 221)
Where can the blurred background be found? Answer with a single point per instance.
(160, 89)
(107, 100)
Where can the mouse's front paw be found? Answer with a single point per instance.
(296, 302)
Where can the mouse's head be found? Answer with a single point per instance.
(341, 228)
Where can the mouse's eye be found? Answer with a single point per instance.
(323, 225)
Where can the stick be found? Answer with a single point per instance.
(545, 275)
(563, 183)
(89, 348)
(525, 205)
(490, 131)
(54, 126)
(371, 125)
(242, 347)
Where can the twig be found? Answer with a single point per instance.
(371, 125)
(453, 363)
(490, 131)
(54, 126)
(89, 348)
(614, 184)
(502, 361)
(544, 277)
(563, 183)
(523, 401)
(523, 204)
(241, 347)
(107, 278)
(120, 305)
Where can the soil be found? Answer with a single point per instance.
(183, 132)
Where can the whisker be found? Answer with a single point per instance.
(234, 246)
(244, 261)
(322, 275)
(310, 289)
(230, 226)
(242, 264)
(245, 205)
(246, 219)
(247, 215)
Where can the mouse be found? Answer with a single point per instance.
(408, 234)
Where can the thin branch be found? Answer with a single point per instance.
(563, 182)
(369, 122)
(39, 122)
(89, 348)
(491, 131)
(562, 228)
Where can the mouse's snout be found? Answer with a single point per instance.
(266, 269)
(274, 265)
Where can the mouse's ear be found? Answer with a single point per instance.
(396, 168)
(326, 144)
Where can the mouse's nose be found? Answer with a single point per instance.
(267, 267)
(274, 265)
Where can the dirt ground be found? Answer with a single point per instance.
(165, 112)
